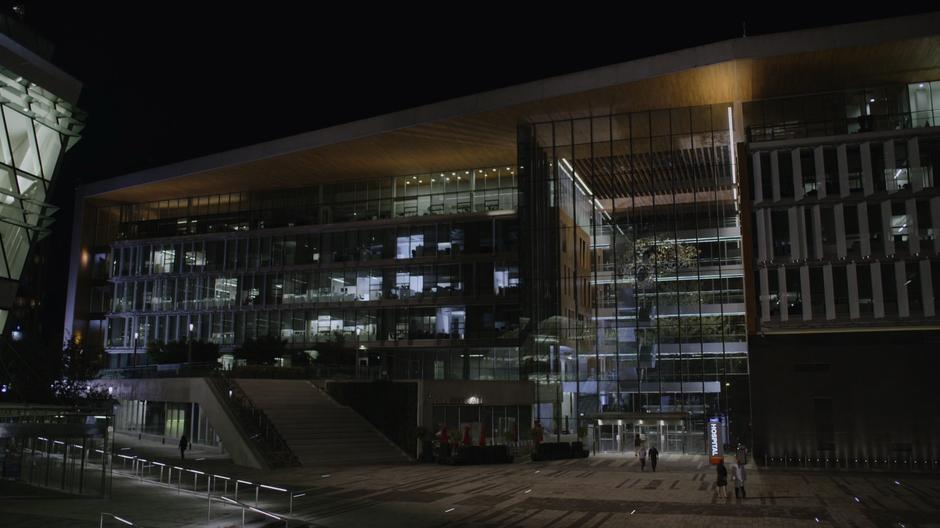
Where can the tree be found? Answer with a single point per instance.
(646, 259)
(262, 350)
(334, 352)
(178, 352)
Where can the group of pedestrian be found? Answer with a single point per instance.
(642, 452)
(738, 475)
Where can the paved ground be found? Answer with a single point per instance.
(597, 492)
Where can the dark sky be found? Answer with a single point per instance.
(165, 82)
(173, 81)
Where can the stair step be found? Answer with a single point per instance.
(318, 430)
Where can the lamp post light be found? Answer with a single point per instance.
(134, 355)
(189, 340)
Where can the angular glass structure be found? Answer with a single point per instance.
(633, 284)
(38, 127)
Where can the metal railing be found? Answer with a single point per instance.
(849, 125)
(255, 423)
(169, 370)
(206, 484)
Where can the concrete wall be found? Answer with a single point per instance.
(190, 390)
(846, 395)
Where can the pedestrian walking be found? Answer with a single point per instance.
(443, 442)
(654, 456)
(537, 433)
(184, 443)
(739, 475)
(637, 442)
(466, 436)
(722, 483)
(642, 459)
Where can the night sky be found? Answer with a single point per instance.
(171, 82)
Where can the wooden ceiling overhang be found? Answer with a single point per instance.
(480, 130)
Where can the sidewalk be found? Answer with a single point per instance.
(599, 491)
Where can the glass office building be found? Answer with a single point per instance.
(418, 273)
(635, 308)
(606, 247)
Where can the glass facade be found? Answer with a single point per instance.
(606, 265)
(434, 289)
(441, 193)
(845, 228)
(894, 107)
(36, 128)
(634, 309)
(167, 420)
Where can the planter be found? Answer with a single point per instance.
(559, 451)
(475, 455)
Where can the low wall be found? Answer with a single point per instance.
(189, 390)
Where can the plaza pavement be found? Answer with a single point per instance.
(598, 492)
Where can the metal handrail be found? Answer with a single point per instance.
(170, 370)
(258, 425)
(101, 519)
(141, 469)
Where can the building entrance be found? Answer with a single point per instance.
(620, 433)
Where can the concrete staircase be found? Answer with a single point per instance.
(320, 432)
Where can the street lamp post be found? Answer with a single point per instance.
(134, 355)
(189, 339)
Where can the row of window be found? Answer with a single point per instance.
(853, 111)
(304, 327)
(860, 291)
(251, 253)
(853, 230)
(201, 292)
(456, 192)
(816, 172)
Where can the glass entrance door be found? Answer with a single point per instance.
(610, 438)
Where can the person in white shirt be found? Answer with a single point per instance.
(739, 475)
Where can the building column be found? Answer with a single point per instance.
(774, 176)
(830, 292)
(913, 156)
(757, 178)
(863, 233)
(838, 213)
(820, 172)
(794, 235)
(926, 288)
(843, 162)
(784, 297)
(935, 222)
(807, 295)
(797, 174)
(764, 294)
(801, 225)
(900, 281)
(891, 183)
(762, 231)
(913, 233)
(868, 185)
(817, 232)
(877, 294)
(850, 273)
(886, 227)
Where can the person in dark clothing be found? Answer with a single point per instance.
(654, 456)
(722, 483)
(184, 443)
